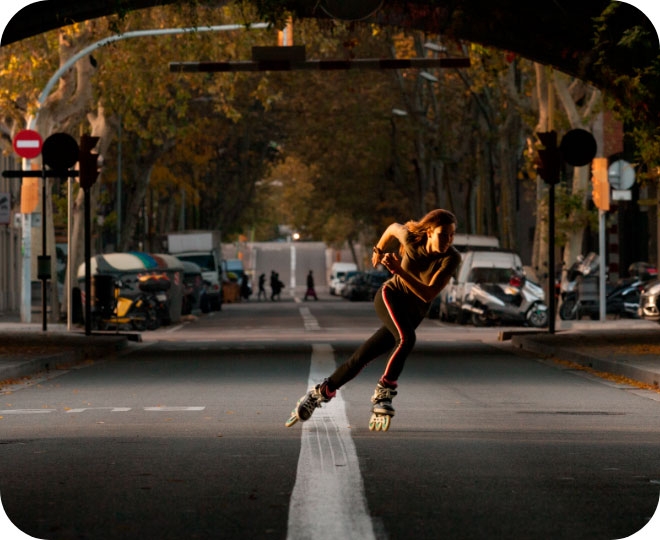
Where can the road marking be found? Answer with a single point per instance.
(172, 409)
(26, 411)
(328, 496)
(111, 409)
(310, 322)
(175, 328)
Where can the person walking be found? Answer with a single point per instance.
(423, 267)
(262, 288)
(310, 287)
(275, 286)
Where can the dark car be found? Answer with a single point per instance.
(364, 285)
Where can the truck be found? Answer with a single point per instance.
(203, 248)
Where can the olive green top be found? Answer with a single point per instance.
(424, 266)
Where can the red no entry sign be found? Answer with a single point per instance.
(27, 144)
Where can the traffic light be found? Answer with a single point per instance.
(600, 183)
(88, 160)
(549, 158)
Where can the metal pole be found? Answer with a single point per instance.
(293, 267)
(602, 302)
(44, 288)
(551, 260)
(26, 268)
(69, 271)
(119, 216)
(88, 264)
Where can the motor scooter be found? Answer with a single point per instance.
(519, 301)
(580, 294)
(137, 313)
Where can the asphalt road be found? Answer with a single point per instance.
(184, 437)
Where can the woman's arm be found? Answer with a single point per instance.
(421, 290)
(395, 231)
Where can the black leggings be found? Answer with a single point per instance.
(398, 333)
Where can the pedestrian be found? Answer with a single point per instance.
(245, 287)
(423, 267)
(262, 288)
(310, 287)
(275, 286)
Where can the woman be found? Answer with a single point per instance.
(426, 263)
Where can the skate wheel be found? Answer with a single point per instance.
(292, 419)
(379, 422)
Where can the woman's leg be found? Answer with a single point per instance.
(398, 332)
(394, 311)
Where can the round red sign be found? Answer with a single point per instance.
(28, 143)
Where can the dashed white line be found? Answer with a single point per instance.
(310, 322)
(328, 496)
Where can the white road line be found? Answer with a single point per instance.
(174, 328)
(310, 322)
(328, 496)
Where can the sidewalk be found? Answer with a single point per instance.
(25, 350)
(628, 348)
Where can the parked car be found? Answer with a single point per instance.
(192, 287)
(341, 282)
(364, 285)
(338, 272)
(474, 263)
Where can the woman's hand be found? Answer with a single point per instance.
(392, 262)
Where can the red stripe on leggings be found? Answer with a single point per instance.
(389, 310)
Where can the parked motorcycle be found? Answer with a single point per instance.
(579, 290)
(518, 301)
(137, 313)
(155, 287)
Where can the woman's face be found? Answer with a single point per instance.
(440, 238)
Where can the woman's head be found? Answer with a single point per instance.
(437, 229)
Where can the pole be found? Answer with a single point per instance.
(551, 217)
(69, 261)
(44, 282)
(293, 267)
(26, 267)
(602, 302)
(551, 260)
(119, 216)
(88, 264)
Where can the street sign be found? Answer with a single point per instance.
(621, 195)
(60, 151)
(27, 144)
(621, 175)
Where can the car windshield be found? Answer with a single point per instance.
(205, 262)
(490, 275)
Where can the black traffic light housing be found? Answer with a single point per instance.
(549, 158)
(89, 170)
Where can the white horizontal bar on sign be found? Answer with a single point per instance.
(27, 144)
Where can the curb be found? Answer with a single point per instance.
(600, 364)
(85, 348)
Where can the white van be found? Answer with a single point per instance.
(338, 273)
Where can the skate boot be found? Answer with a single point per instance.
(306, 404)
(382, 411)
